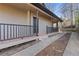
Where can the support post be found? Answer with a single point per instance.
(57, 26)
(37, 27)
(29, 21)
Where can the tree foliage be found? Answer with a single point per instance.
(77, 18)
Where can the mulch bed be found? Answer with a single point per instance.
(56, 48)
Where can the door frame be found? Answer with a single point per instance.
(36, 29)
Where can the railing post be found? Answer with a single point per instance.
(7, 31)
(47, 29)
(30, 30)
(12, 31)
(26, 30)
(16, 31)
(4, 30)
(0, 31)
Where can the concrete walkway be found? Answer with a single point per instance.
(33, 50)
(9, 43)
(72, 48)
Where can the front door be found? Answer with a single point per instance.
(35, 25)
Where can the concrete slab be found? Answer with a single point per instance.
(72, 48)
(9, 43)
(33, 50)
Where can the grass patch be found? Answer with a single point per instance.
(73, 30)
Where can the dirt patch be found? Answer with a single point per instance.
(14, 49)
(56, 48)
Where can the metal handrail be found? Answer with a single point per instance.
(12, 31)
(51, 29)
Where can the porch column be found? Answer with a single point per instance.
(57, 26)
(60, 27)
(37, 28)
(52, 27)
(29, 21)
(52, 24)
(29, 17)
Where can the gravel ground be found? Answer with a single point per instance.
(12, 50)
(56, 48)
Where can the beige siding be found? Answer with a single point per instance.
(43, 22)
(12, 15)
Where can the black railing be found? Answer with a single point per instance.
(11, 31)
(51, 29)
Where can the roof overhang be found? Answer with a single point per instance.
(38, 5)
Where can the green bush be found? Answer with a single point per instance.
(77, 20)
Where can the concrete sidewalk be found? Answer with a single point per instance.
(33, 50)
(72, 48)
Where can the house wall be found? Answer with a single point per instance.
(12, 15)
(43, 22)
(66, 23)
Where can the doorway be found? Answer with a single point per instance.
(35, 25)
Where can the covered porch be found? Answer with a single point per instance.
(17, 21)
